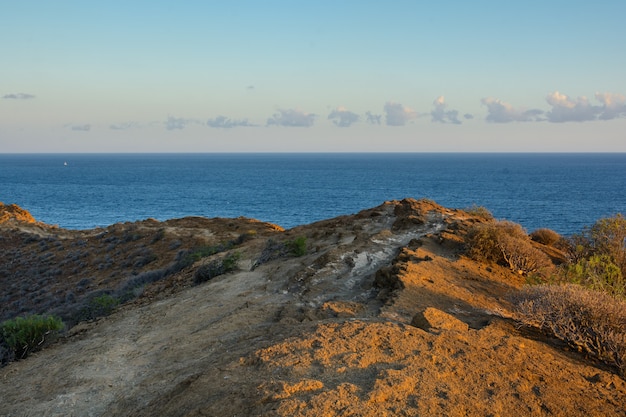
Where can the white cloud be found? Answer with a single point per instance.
(441, 115)
(173, 123)
(501, 112)
(124, 125)
(80, 128)
(567, 109)
(292, 118)
(373, 119)
(226, 123)
(613, 105)
(397, 115)
(342, 117)
(18, 96)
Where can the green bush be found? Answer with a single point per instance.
(298, 246)
(216, 268)
(98, 306)
(506, 243)
(591, 321)
(606, 237)
(598, 257)
(597, 272)
(23, 335)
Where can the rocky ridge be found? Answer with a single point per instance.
(383, 316)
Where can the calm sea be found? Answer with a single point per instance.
(563, 192)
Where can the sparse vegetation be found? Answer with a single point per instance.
(22, 335)
(591, 321)
(217, 267)
(279, 249)
(479, 211)
(98, 306)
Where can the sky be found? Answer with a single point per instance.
(314, 76)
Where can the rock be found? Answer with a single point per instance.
(432, 318)
(14, 213)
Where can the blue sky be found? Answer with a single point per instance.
(414, 76)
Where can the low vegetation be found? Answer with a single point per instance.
(23, 335)
(506, 243)
(591, 321)
(583, 301)
(216, 268)
(547, 237)
(479, 211)
(280, 249)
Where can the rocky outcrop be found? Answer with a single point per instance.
(13, 213)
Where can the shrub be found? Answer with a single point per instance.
(597, 272)
(275, 250)
(23, 335)
(479, 211)
(297, 246)
(546, 237)
(97, 306)
(606, 237)
(216, 267)
(506, 243)
(598, 257)
(588, 320)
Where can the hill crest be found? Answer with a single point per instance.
(382, 315)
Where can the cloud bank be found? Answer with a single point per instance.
(567, 109)
(398, 115)
(441, 115)
(124, 125)
(501, 112)
(178, 123)
(227, 123)
(342, 117)
(81, 128)
(373, 119)
(18, 96)
(292, 118)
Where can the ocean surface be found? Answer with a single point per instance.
(563, 192)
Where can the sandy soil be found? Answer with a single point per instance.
(382, 317)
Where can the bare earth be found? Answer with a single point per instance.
(382, 317)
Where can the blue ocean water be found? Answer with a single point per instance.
(563, 192)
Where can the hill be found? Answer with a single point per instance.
(374, 314)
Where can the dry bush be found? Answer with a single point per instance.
(506, 243)
(479, 211)
(546, 237)
(591, 321)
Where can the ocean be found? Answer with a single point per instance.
(563, 192)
